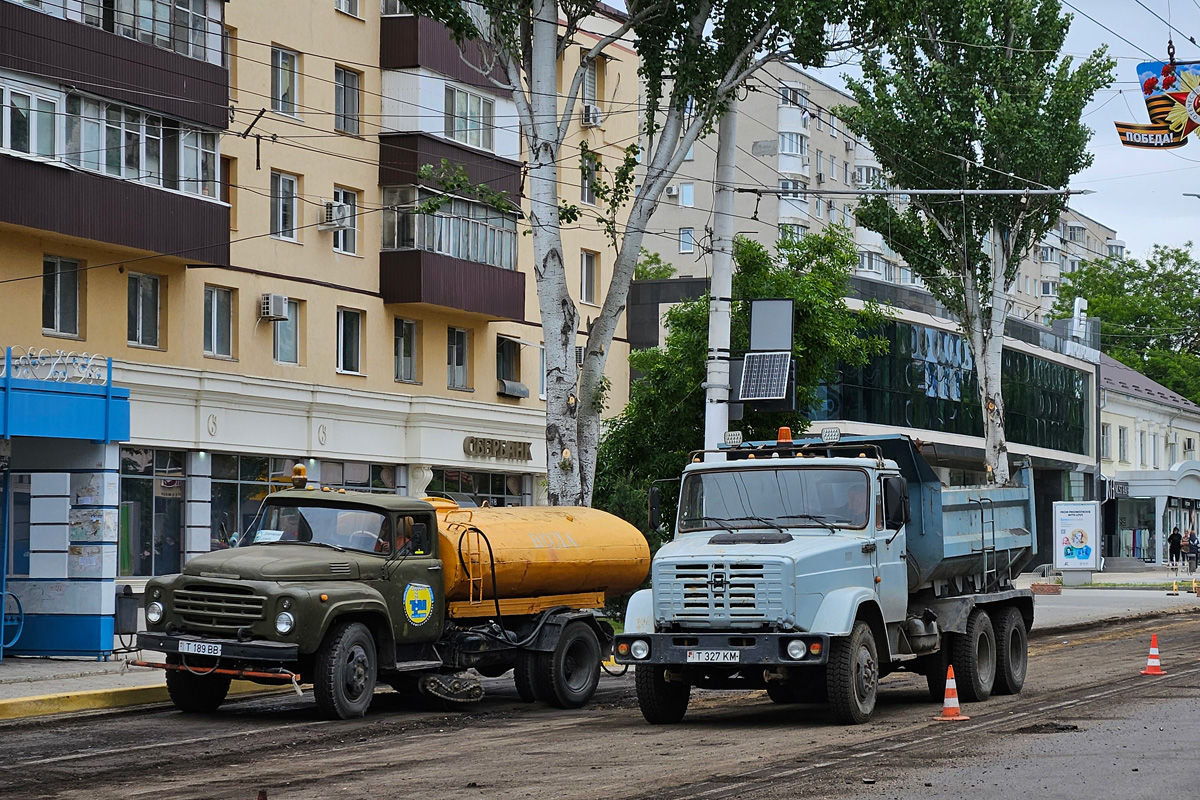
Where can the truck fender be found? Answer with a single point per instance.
(371, 611)
(639, 612)
(842, 607)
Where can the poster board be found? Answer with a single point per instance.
(1076, 536)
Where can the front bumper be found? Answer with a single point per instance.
(752, 649)
(231, 649)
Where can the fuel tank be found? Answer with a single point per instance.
(537, 551)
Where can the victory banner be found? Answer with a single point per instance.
(1172, 93)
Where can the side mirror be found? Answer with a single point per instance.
(655, 515)
(420, 539)
(895, 502)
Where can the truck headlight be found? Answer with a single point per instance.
(154, 612)
(639, 648)
(796, 649)
(285, 622)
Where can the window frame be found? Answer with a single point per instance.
(458, 342)
(1106, 441)
(346, 120)
(455, 111)
(687, 240)
(278, 329)
(508, 359)
(1123, 444)
(52, 282)
(345, 240)
(278, 205)
(278, 71)
(587, 184)
(404, 331)
(212, 312)
(588, 266)
(687, 194)
(137, 310)
(351, 7)
(343, 315)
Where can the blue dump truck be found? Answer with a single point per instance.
(812, 569)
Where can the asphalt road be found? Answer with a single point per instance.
(730, 745)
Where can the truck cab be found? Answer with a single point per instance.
(794, 569)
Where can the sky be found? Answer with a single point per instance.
(1138, 192)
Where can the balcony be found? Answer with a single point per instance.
(419, 276)
(401, 156)
(96, 61)
(408, 42)
(79, 203)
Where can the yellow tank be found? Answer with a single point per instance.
(538, 551)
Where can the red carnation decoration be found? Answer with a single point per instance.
(1150, 85)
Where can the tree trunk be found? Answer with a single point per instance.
(984, 331)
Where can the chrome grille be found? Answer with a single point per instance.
(217, 606)
(722, 593)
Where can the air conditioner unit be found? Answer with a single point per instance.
(672, 191)
(592, 116)
(850, 144)
(274, 307)
(820, 177)
(336, 216)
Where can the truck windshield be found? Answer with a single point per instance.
(343, 528)
(789, 497)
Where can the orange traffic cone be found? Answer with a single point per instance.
(1152, 664)
(950, 710)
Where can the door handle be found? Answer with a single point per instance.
(868, 547)
(435, 568)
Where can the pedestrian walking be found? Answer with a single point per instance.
(1193, 551)
(1173, 544)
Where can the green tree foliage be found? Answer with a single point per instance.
(975, 94)
(1147, 311)
(664, 420)
(651, 266)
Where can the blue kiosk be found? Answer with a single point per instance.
(60, 421)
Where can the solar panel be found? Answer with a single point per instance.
(765, 376)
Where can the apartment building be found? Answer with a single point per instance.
(231, 206)
(1074, 239)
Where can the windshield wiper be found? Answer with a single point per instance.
(814, 518)
(325, 544)
(763, 520)
(724, 523)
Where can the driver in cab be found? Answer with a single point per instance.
(847, 503)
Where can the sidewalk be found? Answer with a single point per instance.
(41, 686)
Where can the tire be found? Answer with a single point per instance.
(974, 658)
(1012, 651)
(568, 677)
(524, 672)
(852, 676)
(935, 667)
(196, 694)
(662, 702)
(345, 671)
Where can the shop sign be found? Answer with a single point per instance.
(1173, 502)
(1187, 504)
(1076, 534)
(497, 448)
(1172, 94)
(1119, 489)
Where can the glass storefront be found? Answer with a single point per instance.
(151, 514)
(496, 488)
(17, 558)
(359, 477)
(927, 380)
(239, 485)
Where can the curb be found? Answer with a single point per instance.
(101, 699)
(1072, 627)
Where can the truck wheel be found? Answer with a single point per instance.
(935, 667)
(524, 672)
(196, 694)
(974, 658)
(852, 675)
(662, 702)
(567, 677)
(344, 679)
(1012, 651)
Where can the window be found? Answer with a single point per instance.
(60, 295)
(690, 155)
(1074, 233)
(30, 120)
(791, 232)
(833, 125)
(283, 81)
(1047, 253)
(457, 358)
(189, 27)
(542, 371)
(129, 143)
(1154, 450)
(287, 335)
(1189, 448)
(347, 6)
(498, 489)
(393, 7)
(1116, 251)
(793, 144)
(359, 477)
(588, 277)
(587, 184)
(461, 228)
(283, 205)
(1142, 459)
(468, 118)
(239, 486)
(792, 189)
(687, 195)
(590, 89)
(143, 309)
(1049, 288)
(228, 194)
(218, 322)
(349, 340)
(346, 98)
(820, 160)
(20, 495)
(687, 242)
(508, 359)
(1106, 441)
(833, 168)
(345, 239)
(793, 96)
(153, 492)
(406, 350)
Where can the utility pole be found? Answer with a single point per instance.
(716, 388)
